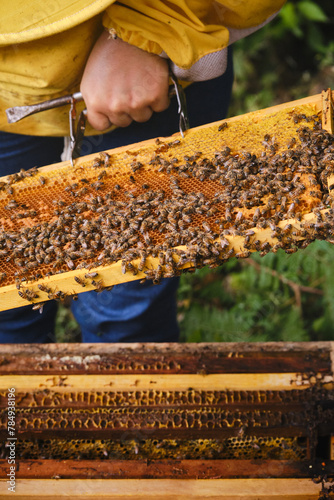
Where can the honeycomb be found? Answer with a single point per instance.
(252, 447)
(166, 420)
(144, 398)
(251, 183)
(162, 424)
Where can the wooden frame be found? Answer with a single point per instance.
(113, 273)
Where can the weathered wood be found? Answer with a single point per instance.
(327, 110)
(204, 358)
(168, 469)
(163, 489)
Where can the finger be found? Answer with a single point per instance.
(142, 115)
(120, 119)
(161, 103)
(99, 121)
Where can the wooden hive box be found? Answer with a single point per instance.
(168, 421)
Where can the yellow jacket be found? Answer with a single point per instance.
(44, 45)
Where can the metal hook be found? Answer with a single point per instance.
(182, 104)
(78, 135)
(17, 113)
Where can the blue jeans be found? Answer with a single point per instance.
(130, 312)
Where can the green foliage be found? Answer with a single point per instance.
(281, 61)
(278, 297)
(294, 16)
(66, 329)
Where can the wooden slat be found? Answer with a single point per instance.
(181, 382)
(163, 469)
(163, 489)
(327, 110)
(205, 358)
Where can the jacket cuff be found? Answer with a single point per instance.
(213, 65)
(208, 67)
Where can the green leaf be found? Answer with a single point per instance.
(291, 19)
(312, 11)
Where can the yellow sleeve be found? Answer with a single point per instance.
(185, 30)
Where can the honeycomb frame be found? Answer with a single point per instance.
(127, 168)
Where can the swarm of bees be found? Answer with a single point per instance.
(186, 218)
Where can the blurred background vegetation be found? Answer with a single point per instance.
(278, 297)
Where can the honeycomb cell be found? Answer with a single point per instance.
(250, 447)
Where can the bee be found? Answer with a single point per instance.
(136, 165)
(243, 255)
(276, 247)
(105, 158)
(206, 227)
(157, 275)
(11, 205)
(99, 287)
(80, 281)
(292, 143)
(147, 238)
(97, 185)
(224, 242)
(265, 246)
(91, 275)
(132, 268)
(174, 143)
(142, 262)
(247, 241)
(57, 295)
(3, 276)
(287, 229)
(291, 209)
(97, 162)
(239, 217)
(27, 294)
(102, 175)
(124, 266)
(291, 250)
(42, 180)
(69, 262)
(222, 126)
(228, 215)
(38, 307)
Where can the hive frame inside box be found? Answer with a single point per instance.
(114, 274)
(60, 371)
